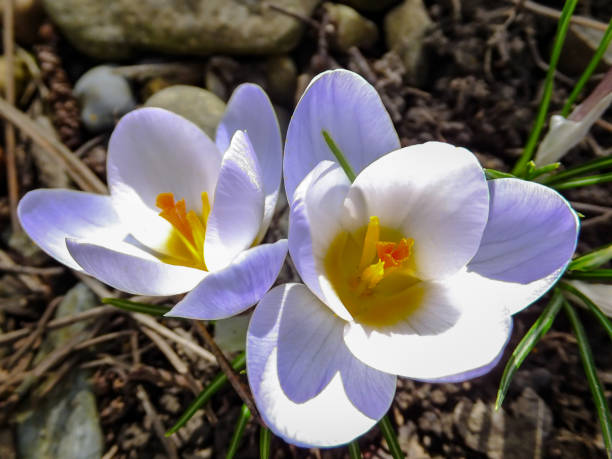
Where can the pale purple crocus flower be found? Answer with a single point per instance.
(414, 269)
(184, 214)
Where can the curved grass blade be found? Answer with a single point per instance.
(492, 174)
(354, 450)
(348, 170)
(571, 172)
(591, 260)
(588, 71)
(601, 404)
(265, 437)
(594, 274)
(562, 26)
(133, 306)
(245, 414)
(217, 383)
(524, 348)
(387, 430)
(601, 317)
(536, 172)
(583, 181)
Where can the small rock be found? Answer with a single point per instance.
(230, 333)
(281, 78)
(370, 5)
(351, 28)
(119, 29)
(198, 105)
(104, 97)
(438, 397)
(481, 426)
(405, 29)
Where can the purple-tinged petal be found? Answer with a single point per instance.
(314, 221)
(131, 269)
(444, 335)
(350, 110)
(155, 151)
(531, 232)
(238, 205)
(50, 216)
(434, 193)
(249, 109)
(342, 388)
(235, 288)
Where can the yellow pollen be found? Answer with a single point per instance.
(190, 228)
(372, 271)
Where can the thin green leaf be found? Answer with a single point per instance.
(245, 414)
(590, 68)
(599, 397)
(592, 260)
(593, 275)
(387, 430)
(543, 170)
(601, 317)
(583, 181)
(562, 26)
(133, 306)
(217, 383)
(265, 437)
(354, 450)
(492, 174)
(348, 170)
(597, 164)
(524, 348)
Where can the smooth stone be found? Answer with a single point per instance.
(198, 105)
(65, 424)
(281, 78)
(405, 28)
(121, 28)
(352, 29)
(104, 97)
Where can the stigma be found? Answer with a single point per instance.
(189, 226)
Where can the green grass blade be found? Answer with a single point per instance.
(265, 438)
(543, 170)
(492, 174)
(601, 404)
(592, 260)
(590, 68)
(213, 387)
(387, 430)
(595, 165)
(601, 317)
(354, 450)
(245, 414)
(583, 181)
(562, 26)
(524, 348)
(348, 170)
(593, 275)
(133, 306)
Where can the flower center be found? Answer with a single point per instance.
(189, 230)
(372, 272)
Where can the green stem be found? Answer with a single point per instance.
(603, 274)
(601, 49)
(387, 430)
(592, 260)
(594, 165)
(583, 181)
(354, 451)
(599, 397)
(562, 27)
(339, 156)
(133, 306)
(265, 437)
(245, 414)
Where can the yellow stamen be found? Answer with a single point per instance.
(369, 243)
(188, 225)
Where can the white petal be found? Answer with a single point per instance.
(600, 294)
(130, 269)
(249, 109)
(350, 110)
(445, 336)
(154, 151)
(434, 193)
(531, 232)
(322, 408)
(238, 205)
(50, 216)
(314, 221)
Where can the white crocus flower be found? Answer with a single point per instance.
(184, 214)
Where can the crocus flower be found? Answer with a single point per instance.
(414, 269)
(184, 214)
